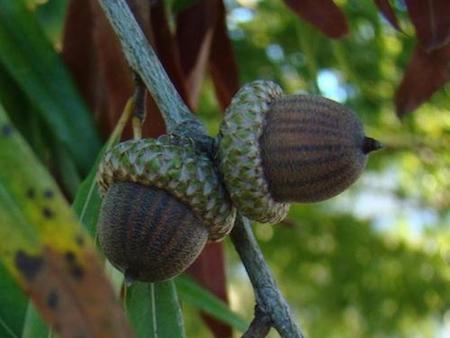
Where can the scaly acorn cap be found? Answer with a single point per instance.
(172, 164)
(239, 153)
(276, 149)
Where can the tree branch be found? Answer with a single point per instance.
(178, 118)
(268, 296)
(260, 325)
(143, 60)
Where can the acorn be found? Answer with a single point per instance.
(276, 149)
(162, 202)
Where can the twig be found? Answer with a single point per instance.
(178, 118)
(143, 60)
(139, 113)
(268, 296)
(260, 325)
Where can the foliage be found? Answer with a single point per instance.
(372, 262)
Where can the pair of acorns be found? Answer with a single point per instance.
(163, 199)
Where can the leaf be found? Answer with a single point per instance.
(179, 5)
(323, 14)
(154, 311)
(32, 62)
(47, 252)
(209, 271)
(166, 47)
(192, 293)
(222, 63)
(431, 18)
(426, 73)
(34, 327)
(386, 9)
(194, 32)
(13, 304)
(88, 201)
(79, 50)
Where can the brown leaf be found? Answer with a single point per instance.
(222, 63)
(386, 9)
(115, 82)
(425, 74)
(166, 47)
(194, 33)
(79, 49)
(323, 14)
(431, 18)
(72, 294)
(209, 271)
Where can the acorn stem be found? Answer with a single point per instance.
(370, 144)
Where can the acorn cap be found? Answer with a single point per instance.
(172, 164)
(239, 153)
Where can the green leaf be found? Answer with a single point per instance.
(31, 60)
(13, 304)
(154, 311)
(190, 292)
(87, 200)
(34, 326)
(180, 5)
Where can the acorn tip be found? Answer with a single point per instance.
(370, 144)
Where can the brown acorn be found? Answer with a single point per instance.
(276, 149)
(162, 203)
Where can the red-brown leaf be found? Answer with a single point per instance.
(431, 18)
(388, 12)
(78, 48)
(166, 47)
(194, 32)
(323, 14)
(115, 82)
(425, 74)
(222, 63)
(209, 271)
(73, 295)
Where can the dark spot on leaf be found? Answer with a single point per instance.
(52, 300)
(70, 257)
(79, 240)
(48, 193)
(30, 193)
(6, 130)
(77, 272)
(47, 212)
(28, 265)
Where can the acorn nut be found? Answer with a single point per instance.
(276, 149)
(162, 202)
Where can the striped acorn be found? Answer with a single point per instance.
(162, 202)
(276, 149)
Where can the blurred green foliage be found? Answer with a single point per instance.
(374, 261)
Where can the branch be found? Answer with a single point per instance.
(178, 118)
(268, 296)
(143, 60)
(260, 325)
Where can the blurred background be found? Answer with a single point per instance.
(371, 262)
